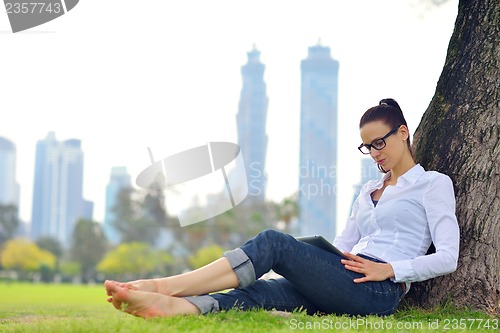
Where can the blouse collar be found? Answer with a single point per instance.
(409, 176)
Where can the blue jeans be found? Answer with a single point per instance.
(314, 280)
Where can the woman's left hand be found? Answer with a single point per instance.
(373, 271)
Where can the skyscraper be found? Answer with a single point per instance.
(251, 123)
(318, 143)
(118, 180)
(57, 197)
(9, 188)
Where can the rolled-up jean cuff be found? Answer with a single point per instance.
(242, 266)
(205, 303)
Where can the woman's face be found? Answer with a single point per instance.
(395, 144)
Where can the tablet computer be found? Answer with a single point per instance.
(322, 243)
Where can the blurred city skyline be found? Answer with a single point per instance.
(171, 80)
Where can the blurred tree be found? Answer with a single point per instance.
(9, 222)
(139, 215)
(459, 136)
(224, 226)
(196, 235)
(24, 256)
(52, 245)
(286, 210)
(88, 246)
(251, 219)
(205, 256)
(154, 205)
(137, 259)
(69, 269)
(231, 228)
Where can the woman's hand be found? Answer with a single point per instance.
(373, 271)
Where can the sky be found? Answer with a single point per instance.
(124, 75)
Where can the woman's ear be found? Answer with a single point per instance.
(404, 132)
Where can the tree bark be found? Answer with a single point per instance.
(459, 136)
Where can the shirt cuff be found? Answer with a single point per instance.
(403, 271)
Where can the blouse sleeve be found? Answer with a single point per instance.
(439, 205)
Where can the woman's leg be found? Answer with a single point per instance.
(317, 275)
(267, 294)
(216, 276)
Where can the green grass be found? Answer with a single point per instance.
(68, 308)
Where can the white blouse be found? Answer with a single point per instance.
(418, 210)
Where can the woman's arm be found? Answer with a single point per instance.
(350, 236)
(439, 205)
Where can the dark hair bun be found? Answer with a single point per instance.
(389, 101)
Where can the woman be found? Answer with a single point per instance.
(393, 222)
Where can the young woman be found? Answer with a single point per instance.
(393, 222)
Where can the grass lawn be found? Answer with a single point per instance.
(68, 308)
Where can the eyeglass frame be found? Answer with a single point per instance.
(370, 145)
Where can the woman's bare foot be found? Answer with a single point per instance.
(139, 285)
(151, 286)
(216, 276)
(147, 304)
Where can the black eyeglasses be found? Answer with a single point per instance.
(376, 144)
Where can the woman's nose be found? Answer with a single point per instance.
(374, 152)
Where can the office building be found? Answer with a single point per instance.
(58, 189)
(118, 180)
(251, 125)
(318, 143)
(9, 188)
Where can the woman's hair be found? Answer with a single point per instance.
(389, 112)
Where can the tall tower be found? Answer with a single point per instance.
(251, 122)
(57, 196)
(9, 188)
(318, 143)
(118, 180)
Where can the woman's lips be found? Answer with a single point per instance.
(381, 161)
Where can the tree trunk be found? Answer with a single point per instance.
(459, 136)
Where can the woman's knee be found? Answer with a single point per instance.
(271, 234)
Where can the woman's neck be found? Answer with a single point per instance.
(401, 168)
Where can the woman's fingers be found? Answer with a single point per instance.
(360, 280)
(353, 257)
